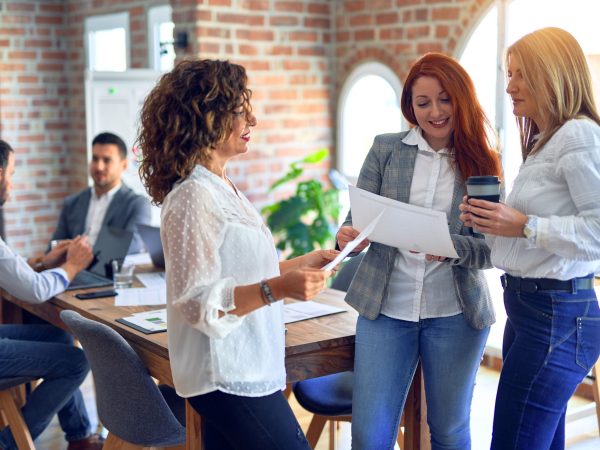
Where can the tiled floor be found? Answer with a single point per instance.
(581, 435)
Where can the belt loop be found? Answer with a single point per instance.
(573, 285)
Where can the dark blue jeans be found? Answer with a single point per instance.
(233, 422)
(44, 351)
(551, 341)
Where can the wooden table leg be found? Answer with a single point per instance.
(412, 413)
(193, 428)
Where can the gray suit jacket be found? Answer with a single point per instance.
(126, 211)
(388, 171)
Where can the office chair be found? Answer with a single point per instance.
(11, 400)
(329, 398)
(133, 409)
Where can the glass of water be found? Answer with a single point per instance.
(122, 274)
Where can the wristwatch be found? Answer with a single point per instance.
(530, 229)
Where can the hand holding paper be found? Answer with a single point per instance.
(352, 244)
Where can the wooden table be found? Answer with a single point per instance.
(314, 347)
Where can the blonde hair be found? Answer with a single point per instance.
(555, 70)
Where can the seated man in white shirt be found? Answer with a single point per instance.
(109, 202)
(42, 350)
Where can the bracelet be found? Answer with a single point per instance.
(266, 292)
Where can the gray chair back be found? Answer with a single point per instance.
(130, 405)
(344, 277)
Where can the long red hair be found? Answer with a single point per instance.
(470, 141)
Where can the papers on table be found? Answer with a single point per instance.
(141, 296)
(138, 259)
(353, 243)
(147, 322)
(297, 311)
(152, 279)
(403, 226)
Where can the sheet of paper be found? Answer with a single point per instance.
(152, 279)
(141, 296)
(353, 243)
(297, 311)
(404, 226)
(138, 259)
(150, 320)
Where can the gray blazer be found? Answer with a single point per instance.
(388, 171)
(126, 211)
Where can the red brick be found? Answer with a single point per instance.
(283, 95)
(442, 31)
(219, 2)
(255, 5)
(311, 51)
(425, 47)
(361, 20)
(52, 8)
(417, 32)
(319, 8)
(364, 35)
(243, 19)
(307, 36)
(284, 21)
(280, 50)
(255, 35)
(316, 22)
(445, 14)
(248, 50)
(296, 65)
(386, 18)
(20, 6)
(356, 5)
(289, 6)
(21, 55)
(43, 43)
(49, 20)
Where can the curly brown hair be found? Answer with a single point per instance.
(187, 115)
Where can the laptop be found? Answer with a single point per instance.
(151, 237)
(112, 243)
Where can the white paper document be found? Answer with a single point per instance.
(297, 311)
(353, 243)
(148, 321)
(404, 226)
(152, 279)
(141, 296)
(138, 259)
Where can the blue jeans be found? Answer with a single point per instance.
(233, 422)
(551, 341)
(387, 353)
(44, 351)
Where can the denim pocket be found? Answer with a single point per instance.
(588, 341)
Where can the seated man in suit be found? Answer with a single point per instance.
(109, 202)
(44, 351)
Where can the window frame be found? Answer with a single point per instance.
(156, 16)
(364, 69)
(94, 24)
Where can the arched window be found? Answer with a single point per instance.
(369, 105)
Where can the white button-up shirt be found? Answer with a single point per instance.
(96, 212)
(20, 280)
(560, 185)
(420, 289)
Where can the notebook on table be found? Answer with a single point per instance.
(112, 243)
(151, 237)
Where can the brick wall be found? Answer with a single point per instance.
(297, 52)
(34, 116)
(397, 32)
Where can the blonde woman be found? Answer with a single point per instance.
(546, 237)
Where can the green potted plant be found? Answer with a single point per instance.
(307, 219)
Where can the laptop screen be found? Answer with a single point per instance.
(112, 243)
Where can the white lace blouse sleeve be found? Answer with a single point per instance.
(192, 233)
(576, 237)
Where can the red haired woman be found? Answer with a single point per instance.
(423, 307)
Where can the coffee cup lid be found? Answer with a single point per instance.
(487, 179)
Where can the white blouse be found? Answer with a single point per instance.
(561, 186)
(214, 240)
